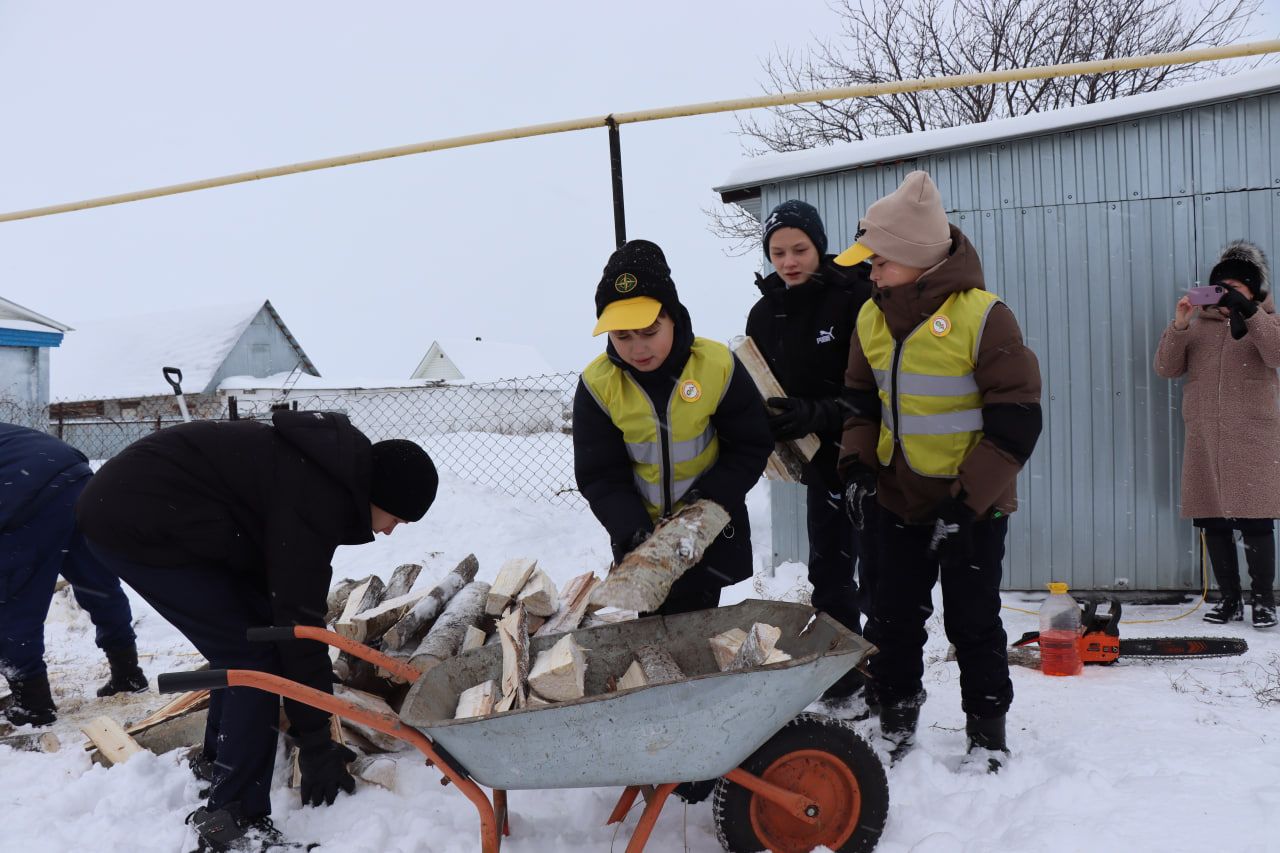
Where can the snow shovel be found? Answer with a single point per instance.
(173, 376)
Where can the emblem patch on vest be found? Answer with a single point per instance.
(690, 391)
(625, 283)
(940, 326)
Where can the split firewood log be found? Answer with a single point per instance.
(724, 646)
(559, 673)
(511, 578)
(446, 635)
(539, 595)
(609, 617)
(658, 665)
(373, 704)
(376, 770)
(402, 580)
(788, 459)
(757, 648)
(337, 598)
(474, 638)
(113, 743)
(514, 636)
(633, 677)
(365, 596)
(370, 625)
(43, 742)
(644, 577)
(414, 624)
(477, 701)
(574, 602)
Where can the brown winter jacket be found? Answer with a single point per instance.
(1231, 408)
(1008, 377)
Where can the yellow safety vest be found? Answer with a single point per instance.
(665, 463)
(929, 400)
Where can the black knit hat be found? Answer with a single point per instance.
(404, 479)
(637, 269)
(797, 214)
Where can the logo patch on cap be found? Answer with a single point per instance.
(690, 391)
(625, 283)
(940, 326)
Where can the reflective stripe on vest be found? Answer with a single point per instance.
(930, 402)
(665, 464)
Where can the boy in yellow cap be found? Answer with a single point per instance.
(663, 418)
(948, 400)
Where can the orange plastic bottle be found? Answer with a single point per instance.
(1059, 631)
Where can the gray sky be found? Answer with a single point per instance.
(368, 264)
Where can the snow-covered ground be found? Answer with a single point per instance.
(1136, 756)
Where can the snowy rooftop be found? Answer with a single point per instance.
(488, 361)
(123, 357)
(15, 316)
(771, 168)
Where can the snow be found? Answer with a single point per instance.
(771, 168)
(121, 357)
(1136, 756)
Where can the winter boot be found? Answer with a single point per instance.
(223, 830)
(898, 722)
(1228, 609)
(1264, 612)
(32, 702)
(126, 675)
(986, 740)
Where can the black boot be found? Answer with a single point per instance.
(898, 722)
(225, 830)
(986, 737)
(32, 702)
(126, 675)
(1228, 609)
(1264, 612)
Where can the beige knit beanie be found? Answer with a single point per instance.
(908, 226)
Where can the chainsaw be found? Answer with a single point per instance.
(1100, 641)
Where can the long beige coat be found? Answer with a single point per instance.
(1231, 408)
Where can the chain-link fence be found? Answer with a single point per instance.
(512, 435)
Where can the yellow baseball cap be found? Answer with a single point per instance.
(639, 312)
(854, 255)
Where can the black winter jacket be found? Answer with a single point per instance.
(603, 469)
(32, 463)
(269, 504)
(804, 333)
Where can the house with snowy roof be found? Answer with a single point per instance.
(26, 338)
(476, 360)
(107, 386)
(1091, 222)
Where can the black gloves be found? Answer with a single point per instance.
(860, 486)
(1241, 307)
(952, 537)
(324, 768)
(799, 416)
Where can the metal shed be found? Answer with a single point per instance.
(1090, 222)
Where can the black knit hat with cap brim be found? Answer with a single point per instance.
(404, 480)
(636, 269)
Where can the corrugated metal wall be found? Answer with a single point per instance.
(1090, 236)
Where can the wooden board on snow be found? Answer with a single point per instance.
(113, 742)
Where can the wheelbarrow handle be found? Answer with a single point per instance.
(274, 634)
(185, 682)
(173, 376)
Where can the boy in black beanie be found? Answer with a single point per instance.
(223, 527)
(663, 418)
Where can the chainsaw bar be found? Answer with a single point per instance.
(1183, 647)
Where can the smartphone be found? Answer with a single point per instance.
(1209, 294)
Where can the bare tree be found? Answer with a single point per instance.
(887, 40)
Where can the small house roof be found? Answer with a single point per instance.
(487, 361)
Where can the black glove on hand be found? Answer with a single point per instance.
(952, 537)
(324, 768)
(797, 417)
(1242, 308)
(860, 486)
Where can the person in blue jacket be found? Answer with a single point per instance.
(40, 479)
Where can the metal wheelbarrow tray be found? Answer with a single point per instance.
(786, 782)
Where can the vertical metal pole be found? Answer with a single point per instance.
(615, 169)
(233, 408)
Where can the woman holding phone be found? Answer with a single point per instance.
(1228, 349)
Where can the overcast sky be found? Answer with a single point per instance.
(368, 264)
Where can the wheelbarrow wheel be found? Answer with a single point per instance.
(824, 759)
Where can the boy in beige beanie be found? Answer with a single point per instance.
(949, 403)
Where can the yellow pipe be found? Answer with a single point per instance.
(1100, 66)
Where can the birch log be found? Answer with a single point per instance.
(756, 648)
(644, 577)
(402, 580)
(514, 636)
(414, 624)
(373, 623)
(446, 635)
(788, 459)
(336, 601)
(573, 606)
(658, 665)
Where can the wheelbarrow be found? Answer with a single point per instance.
(785, 781)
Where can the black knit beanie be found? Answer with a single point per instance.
(638, 268)
(797, 214)
(404, 479)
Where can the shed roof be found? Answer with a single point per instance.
(487, 361)
(772, 168)
(15, 316)
(122, 357)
